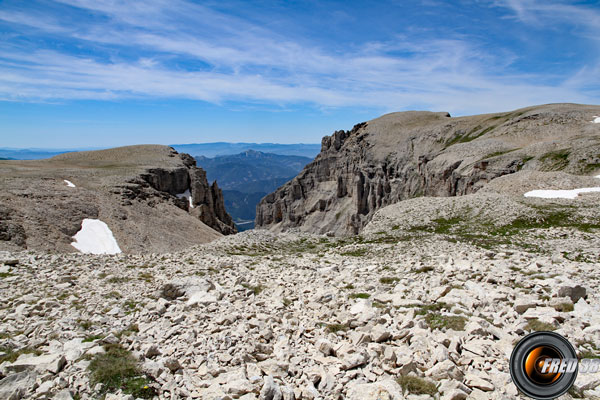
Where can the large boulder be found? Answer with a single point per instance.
(15, 386)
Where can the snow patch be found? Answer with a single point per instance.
(95, 237)
(186, 195)
(560, 194)
(69, 183)
(596, 120)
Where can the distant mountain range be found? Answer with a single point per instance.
(194, 149)
(252, 171)
(223, 148)
(247, 177)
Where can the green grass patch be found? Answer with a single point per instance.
(553, 218)
(433, 307)
(334, 328)
(254, 289)
(389, 280)
(355, 253)
(387, 239)
(524, 160)
(564, 307)
(130, 330)
(117, 279)
(439, 225)
(441, 321)
(118, 369)
(6, 335)
(580, 257)
(488, 235)
(62, 296)
(130, 306)
(85, 324)
(499, 153)
(537, 325)
(359, 295)
(436, 320)
(377, 304)
(256, 250)
(588, 354)
(423, 270)
(473, 134)
(416, 385)
(12, 355)
(501, 116)
(91, 338)
(575, 393)
(556, 160)
(586, 167)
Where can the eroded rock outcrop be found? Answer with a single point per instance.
(209, 204)
(411, 154)
(192, 193)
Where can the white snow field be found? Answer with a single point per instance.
(69, 183)
(95, 237)
(596, 120)
(186, 195)
(561, 194)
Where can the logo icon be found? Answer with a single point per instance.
(543, 365)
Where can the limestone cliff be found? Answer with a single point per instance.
(207, 203)
(410, 154)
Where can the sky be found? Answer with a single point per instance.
(101, 73)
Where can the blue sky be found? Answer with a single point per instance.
(97, 73)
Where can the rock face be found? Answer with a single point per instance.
(141, 192)
(411, 154)
(207, 202)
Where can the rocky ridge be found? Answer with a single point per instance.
(421, 305)
(151, 197)
(411, 154)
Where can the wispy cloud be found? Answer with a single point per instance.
(178, 49)
(585, 19)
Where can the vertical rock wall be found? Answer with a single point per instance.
(207, 200)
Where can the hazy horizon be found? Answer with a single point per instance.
(135, 144)
(210, 150)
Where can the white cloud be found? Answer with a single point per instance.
(549, 12)
(151, 48)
